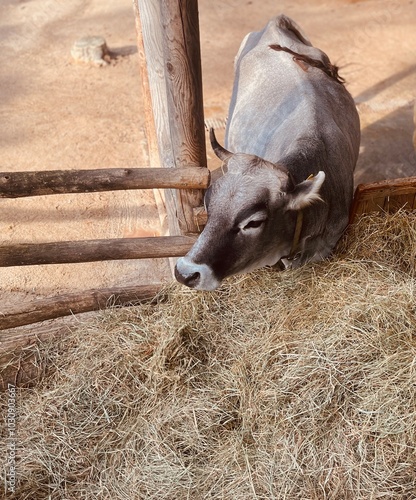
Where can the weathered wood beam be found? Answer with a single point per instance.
(21, 184)
(389, 187)
(200, 217)
(169, 49)
(70, 252)
(68, 304)
(388, 195)
(150, 126)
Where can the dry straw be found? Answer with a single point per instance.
(295, 385)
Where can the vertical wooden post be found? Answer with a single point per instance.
(169, 48)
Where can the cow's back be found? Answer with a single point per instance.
(295, 114)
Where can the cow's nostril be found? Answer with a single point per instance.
(189, 279)
(192, 279)
(198, 276)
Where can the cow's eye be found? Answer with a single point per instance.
(254, 223)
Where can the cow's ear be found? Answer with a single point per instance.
(306, 192)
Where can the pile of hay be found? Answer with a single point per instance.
(294, 385)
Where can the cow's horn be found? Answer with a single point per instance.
(221, 152)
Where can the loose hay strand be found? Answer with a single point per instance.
(295, 385)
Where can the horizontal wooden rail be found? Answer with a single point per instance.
(389, 187)
(21, 184)
(70, 252)
(68, 304)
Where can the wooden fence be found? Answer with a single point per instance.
(20, 184)
(170, 67)
(384, 196)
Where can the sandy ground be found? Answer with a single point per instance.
(58, 114)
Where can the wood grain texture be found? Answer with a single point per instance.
(68, 304)
(20, 184)
(200, 217)
(70, 252)
(184, 77)
(184, 94)
(150, 125)
(389, 195)
(169, 33)
(150, 45)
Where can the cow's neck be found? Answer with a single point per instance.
(295, 243)
(296, 235)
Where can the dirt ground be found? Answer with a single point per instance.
(58, 114)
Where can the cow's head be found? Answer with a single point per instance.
(251, 213)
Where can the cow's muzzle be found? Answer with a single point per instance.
(198, 276)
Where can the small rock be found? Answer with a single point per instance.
(92, 50)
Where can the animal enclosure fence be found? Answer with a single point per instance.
(381, 196)
(21, 184)
(169, 52)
